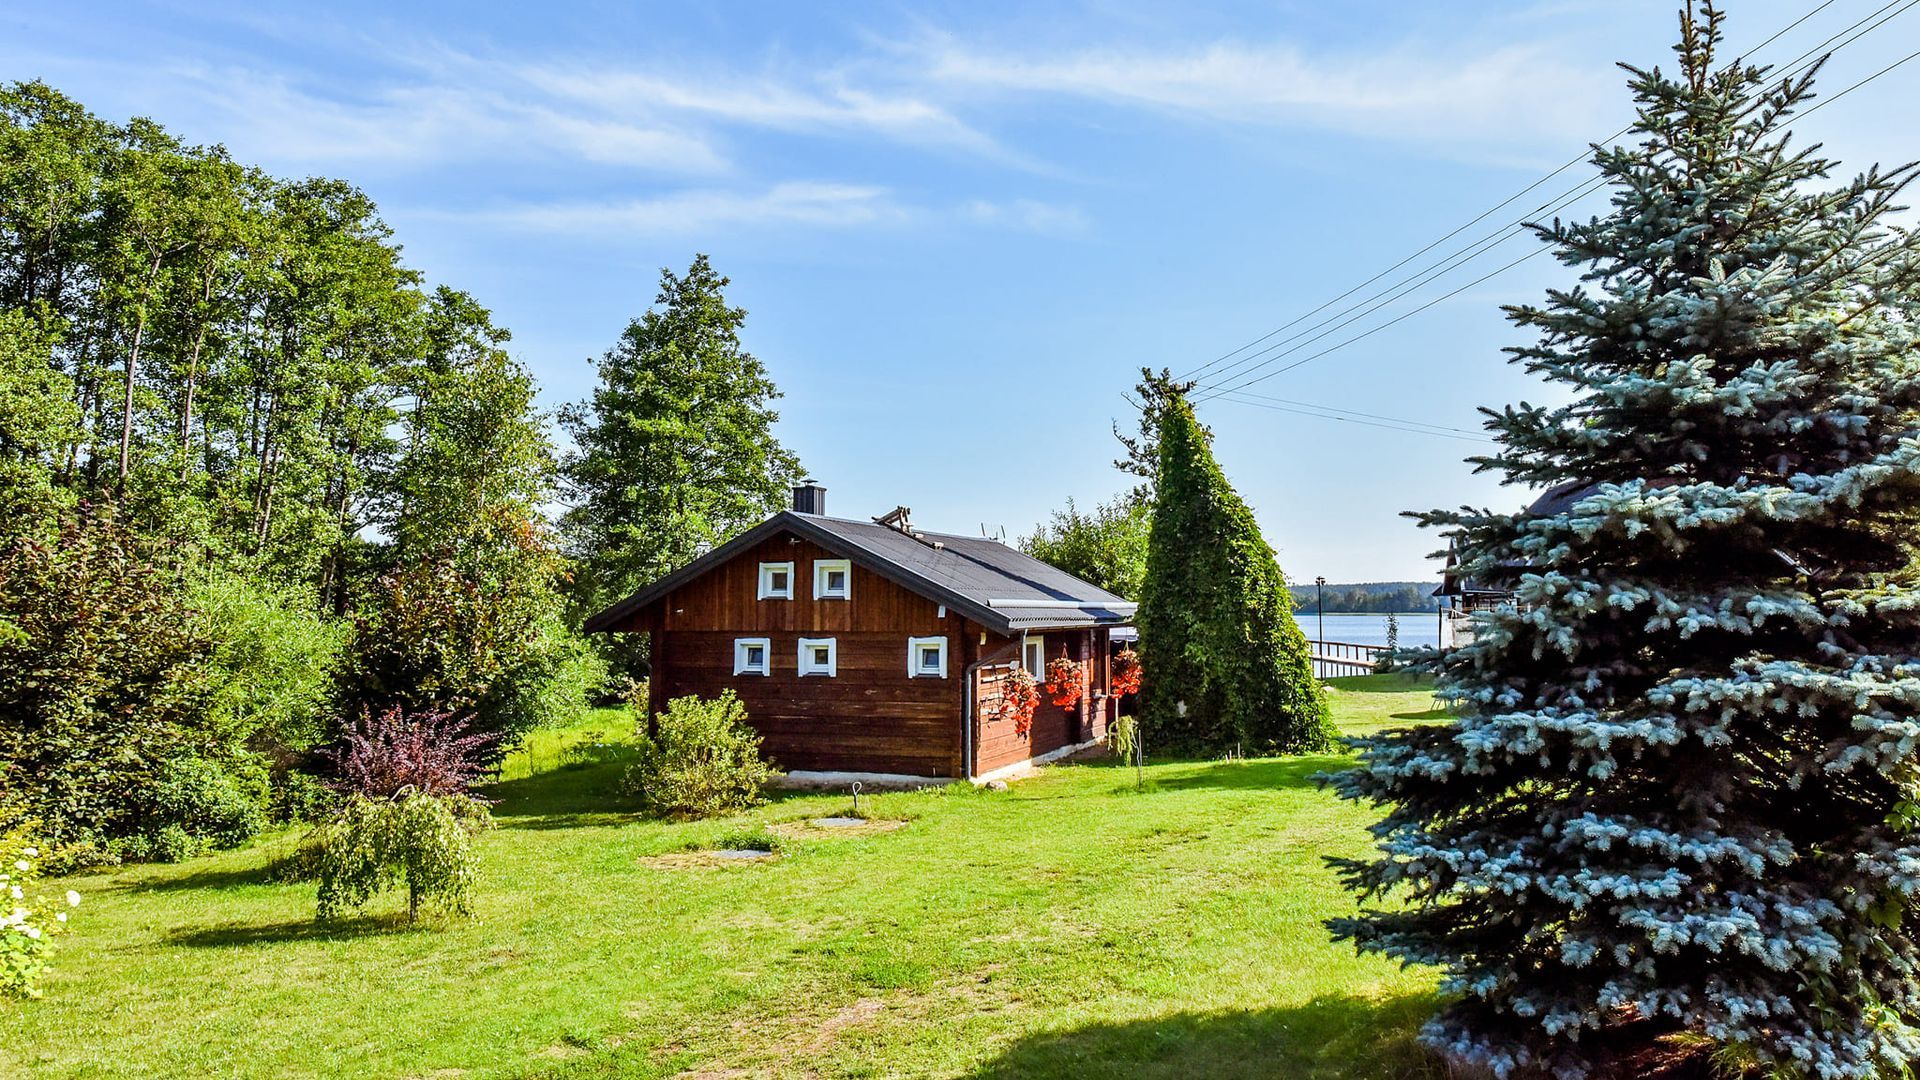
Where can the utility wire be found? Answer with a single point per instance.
(1406, 285)
(1355, 420)
(1508, 201)
(1355, 412)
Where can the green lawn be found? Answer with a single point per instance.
(1072, 926)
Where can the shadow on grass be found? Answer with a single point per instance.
(269, 873)
(238, 936)
(1263, 773)
(1332, 1036)
(1398, 683)
(565, 798)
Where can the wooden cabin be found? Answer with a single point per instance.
(876, 648)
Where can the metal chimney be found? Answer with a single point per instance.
(809, 498)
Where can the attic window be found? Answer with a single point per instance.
(832, 579)
(817, 656)
(751, 655)
(927, 658)
(776, 581)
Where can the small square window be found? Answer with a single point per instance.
(1033, 656)
(776, 581)
(751, 656)
(818, 656)
(927, 658)
(832, 579)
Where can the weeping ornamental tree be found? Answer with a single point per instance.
(1680, 792)
(1224, 662)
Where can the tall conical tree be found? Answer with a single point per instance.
(1222, 659)
(1680, 791)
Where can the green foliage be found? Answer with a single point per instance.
(676, 446)
(1107, 547)
(1223, 662)
(102, 680)
(37, 417)
(273, 662)
(698, 759)
(1141, 452)
(422, 842)
(1676, 797)
(473, 630)
(28, 921)
(1373, 597)
(469, 619)
(220, 806)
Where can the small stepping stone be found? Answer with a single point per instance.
(839, 822)
(741, 853)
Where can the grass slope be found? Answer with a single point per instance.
(1072, 926)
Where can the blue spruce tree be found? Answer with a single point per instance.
(1679, 796)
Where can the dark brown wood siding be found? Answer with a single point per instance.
(1053, 727)
(871, 716)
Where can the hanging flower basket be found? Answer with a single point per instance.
(1019, 697)
(1066, 681)
(1126, 672)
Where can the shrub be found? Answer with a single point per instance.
(273, 662)
(28, 923)
(429, 752)
(474, 629)
(420, 841)
(102, 680)
(208, 804)
(295, 796)
(700, 760)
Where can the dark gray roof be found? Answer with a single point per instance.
(994, 584)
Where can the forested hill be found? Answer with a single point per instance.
(1380, 596)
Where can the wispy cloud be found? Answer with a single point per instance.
(1507, 95)
(797, 204)
(421, 122)
(816, 205)
(818, 104)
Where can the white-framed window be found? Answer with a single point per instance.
(752, 656)
(927, 658)
(832, 579)
(1033, 655)
(819, 656)
(776, 581)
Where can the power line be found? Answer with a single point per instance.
(1460, 257)
(1328, 415)
(1508, 201)
(1355, 412)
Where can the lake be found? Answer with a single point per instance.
(1416, 628)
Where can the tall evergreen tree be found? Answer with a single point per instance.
(675, 449)
(1681, 792)
(1222, 659)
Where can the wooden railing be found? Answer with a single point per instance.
(1332, 659)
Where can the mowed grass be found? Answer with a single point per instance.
(1072, 926)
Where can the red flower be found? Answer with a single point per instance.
(1126, 672)
(1019, 697)
(1066, 681)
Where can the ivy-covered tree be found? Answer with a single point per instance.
(1223, 660)
(1140, 451)
(1680, 795)
(675, 449)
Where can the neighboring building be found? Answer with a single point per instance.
(1462, 596)
(875, 647)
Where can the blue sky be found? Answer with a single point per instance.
(960, 229)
